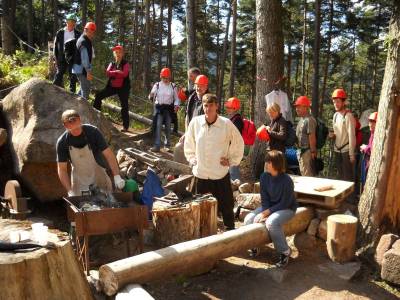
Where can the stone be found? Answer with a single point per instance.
(256, 188)
(243, 213)
(33, 111)
(245, 188)
(391, 266)
(344, 271)
(385, 243)
(322, 213)
(322, 230)
(303, 241)
(396, 245)
(249, 201)
(3, 136)
(277, 274)
(313, 227)
(235, 195)
(179, 154)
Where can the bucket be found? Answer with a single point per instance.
(130, 186)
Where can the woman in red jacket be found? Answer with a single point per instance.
(118, 84)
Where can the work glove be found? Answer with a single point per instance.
(71, 193)
(119, 182)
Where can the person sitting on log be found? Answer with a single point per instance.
(166, 102)
(84, 147)
(118, 84)
(212, 145)
(278, 204)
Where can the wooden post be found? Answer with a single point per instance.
(192, 257)
(341, 237)
(208, 217)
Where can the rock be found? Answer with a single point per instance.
(256, 188)
(235, 195)
(303, 241)
(322, 230)
(391, 266)
(277, 274)
(33, 111)
(249, 201)
(322, 213)
(3, 136)
(243, 213)
(313, 227)
(245, 188)
(385, 243)
(396, 245)
(179, 155)
(344, 271)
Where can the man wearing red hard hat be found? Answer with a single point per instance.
(344, 136)
(118, 84)
(306, 137)
(83, 59)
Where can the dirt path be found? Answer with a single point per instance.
(241, 278)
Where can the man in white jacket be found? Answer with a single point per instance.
(212, 145)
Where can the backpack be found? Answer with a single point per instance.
(291, 137)
(321, 133)
(249, 132)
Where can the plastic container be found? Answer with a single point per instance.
(130, 186)
(14, 237)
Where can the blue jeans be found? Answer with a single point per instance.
(85, 86)
(274, 225)
(234, 172)
(163, 117)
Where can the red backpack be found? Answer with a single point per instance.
(249, 132)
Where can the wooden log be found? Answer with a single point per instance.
(43, 273)
(341, 237)
(176, 225)
(208, 217)
(193, 257)
(165, 164)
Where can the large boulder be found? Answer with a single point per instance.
(391, 266)
(384, 245)
(32, 113)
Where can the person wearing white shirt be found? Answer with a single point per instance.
(212, 145)
(166, 102)
(280, 97)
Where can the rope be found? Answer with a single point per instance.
(23, 42)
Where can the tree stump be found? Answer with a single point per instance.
(43, 273)
(173, 225)
(341, 237)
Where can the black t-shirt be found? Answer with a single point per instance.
(90, 135)
(238, 122)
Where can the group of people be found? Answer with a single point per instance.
(212, 144)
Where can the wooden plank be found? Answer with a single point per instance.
(306, 185)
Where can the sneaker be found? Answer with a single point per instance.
(254, 252)
(283, 260)
(124, 130)
(155, 149)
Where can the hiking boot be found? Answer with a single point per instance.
(254, 252)
(124, 130)
(283, 260)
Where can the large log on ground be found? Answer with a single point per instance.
(32, 116)
(192, 257)
(341, 237)
(40, 274)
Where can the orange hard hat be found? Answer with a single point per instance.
(201, 79)
(91, 26)
(117, 47)
(303, 101)
(373, 116)
(233, 103)
(165, 72)
(262, 133)
(339, 93)
(181, 95)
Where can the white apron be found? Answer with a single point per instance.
(86, 171)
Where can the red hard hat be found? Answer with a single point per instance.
(303, 100)
(339, 93)
(91, 26)
(201, 79)
(181, 95)
(117, 47)
(262, 133)
(373, 116)
(233, 103)
(165, 72)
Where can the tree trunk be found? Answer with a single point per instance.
(84, 12)
(304, 54)
(223, 59)
(135, 40)
(169, 39)
(7, 21)
(375, 60)
(218, 50)
(379, 208)
(233, 50)
(353, 67)
(270, 66)
(42, 273)
(99, 19)
(146, 54)
(160, 35)
(43, 33)
(30, 24)
(317, 46)
(193, 257)
(328, 56)
(121, 22)
(191, 33)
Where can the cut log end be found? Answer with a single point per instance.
(109, 283)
